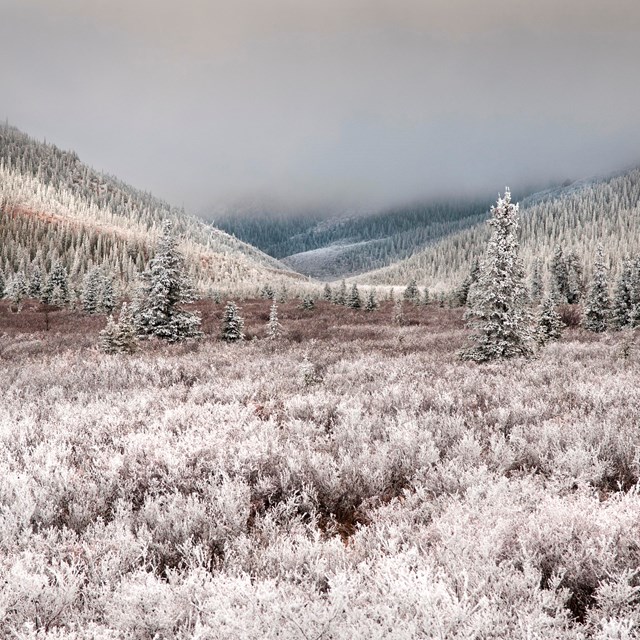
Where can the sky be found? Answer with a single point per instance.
(327, 103)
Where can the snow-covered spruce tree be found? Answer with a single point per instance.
(308, 303)
(425, 296)
(165, 288)
(35, 283)
(18, 289)
(274, 328)
(91, 291)
(353, 301)
(549, 324)
(341, 294)
(462, 294)
(371, 304)
(107, 293)
(411, 292)
(498, 311)
(232, 323)
(536, 288)
(558, 276)
(622, 304)
(2, 286)
(597, 305)
(327, 293)
(574, 278)
(56, 289)
(119, 337)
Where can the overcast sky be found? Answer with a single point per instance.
(361, 102)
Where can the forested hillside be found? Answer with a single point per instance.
(575, 218)
(56, 210)
(330, 246)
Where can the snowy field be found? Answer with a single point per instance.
(355, 480)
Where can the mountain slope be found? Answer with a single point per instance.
(576, 217)
(330, 246)
(53, 207)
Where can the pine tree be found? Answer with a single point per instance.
(549, 325)
(2, 286)
(56, 291)
(274, 328)
(327, 293)
(90, 291)
(35, 283)
(497, 302)
(119, 337)
(462, 294)
(353, 301)
(622, 303)
(574, 278)
(18, 289)
(371, 303)
(411, 292)
(536, 282)
(559, 276)
(308, 302)
(107, 293)
(341, 295)
(232, 323)
(597, 306)
(425, 296)
(165, 289)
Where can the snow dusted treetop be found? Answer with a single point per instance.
(498, 300)
(165, 288)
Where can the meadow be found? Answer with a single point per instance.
(353, 479)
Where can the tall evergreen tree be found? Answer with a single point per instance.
(622, 299)
(597, 305)
(371, 303)
(497, 302)
(91, 291)
(574, 278)
(536, 282)
(353, 301)
(411, 292)
(2, 286)
(341, 295)
(549, 325)
(274, 328)
(559, 276)
(232, 323)
(326, 293)
(165, 288)
(35, 283)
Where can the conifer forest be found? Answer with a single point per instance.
(329, 400)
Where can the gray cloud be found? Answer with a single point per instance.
(365, 102)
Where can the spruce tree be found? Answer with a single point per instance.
(622, 304)
(56, 290)
(35, 283)
(165, 288)
(18, 289)
(536, 282)
(308, 302)
(119, 337)
(326, 293)
(497, 302)
(597, 306)
(371, 303)
(90, 291)
(107, 293)
(274, 328)
(232, 323)
(411, 292)
(341, 294)
(574, 278)
(353, 301)
(425, 296)
(549, 324)
(2, 286)
(559, 276)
